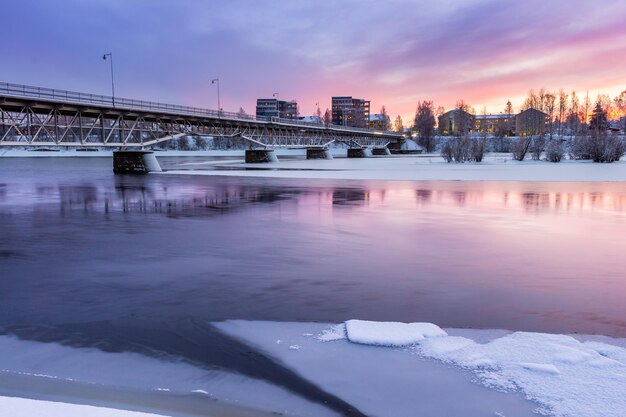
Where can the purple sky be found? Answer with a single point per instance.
(392, 52)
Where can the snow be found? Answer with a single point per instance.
(86, 374)
(379, 381)
(390, 333)
(559, 375)
(22, 407)
(420, 168)
(567, 376)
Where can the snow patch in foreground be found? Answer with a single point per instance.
(21, 407)
(390, 333)
(564, 376)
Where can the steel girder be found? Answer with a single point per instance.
(24, 122)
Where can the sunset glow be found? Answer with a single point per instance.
(393, 53)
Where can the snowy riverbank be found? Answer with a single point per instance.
(495, 167)
(380, 369)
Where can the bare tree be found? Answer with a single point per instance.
(425, 125)
(242, 113)
(328, 117)
(385, 123)
(397, 124)
(548, 106)
(586, 109)
(620, 105)
(562, 110)
(573, 116)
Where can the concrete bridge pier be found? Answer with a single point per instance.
(255, 156)
(135, 162)
(381, 151)
(318, 153)
(357, 153)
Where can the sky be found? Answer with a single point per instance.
(393, 52)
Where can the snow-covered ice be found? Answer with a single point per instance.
(390, 333)
(493, 168)
(559, 375)
(381, 368)
(73, 374)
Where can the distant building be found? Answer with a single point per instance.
(493, 123)
(379, 121)
(348, 111)
(455, 122)
(271, 107)
(530, 122)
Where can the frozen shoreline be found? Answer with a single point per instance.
(422, 168)
(408, 367)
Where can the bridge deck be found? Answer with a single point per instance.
(39, 116)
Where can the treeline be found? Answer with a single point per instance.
(574, 126)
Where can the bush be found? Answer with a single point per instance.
(536, 147)
(579, 149)
(477, 149)
(519, 148)
(446, 151)
(462, 149)
(555, 151)
(606, 148)
(599, 147)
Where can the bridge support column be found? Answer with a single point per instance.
(381, 151)
(357, 153)
(135, 162)
(318, 153)
(255, 156)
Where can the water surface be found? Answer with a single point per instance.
(80, 245)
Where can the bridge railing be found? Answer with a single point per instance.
(27, 91)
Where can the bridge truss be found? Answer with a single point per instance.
(40, 117)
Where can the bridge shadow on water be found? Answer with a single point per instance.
(188, 340)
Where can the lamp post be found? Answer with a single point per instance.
(219, 107)
(277, 104)
(104, 57)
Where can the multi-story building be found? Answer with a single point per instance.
(492, 123)
(348, 111)
(530, 122)
(456, 122)
(271, 107)
(379, 121)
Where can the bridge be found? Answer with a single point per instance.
(42, 117)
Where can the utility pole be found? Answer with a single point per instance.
(219, 107)
(104, 57)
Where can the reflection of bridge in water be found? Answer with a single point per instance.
(171, 196)
(43, 117)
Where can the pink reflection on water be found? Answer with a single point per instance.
(535, 256)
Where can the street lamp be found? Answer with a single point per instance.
(277, 103)
(219, 107)
(104, 57)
